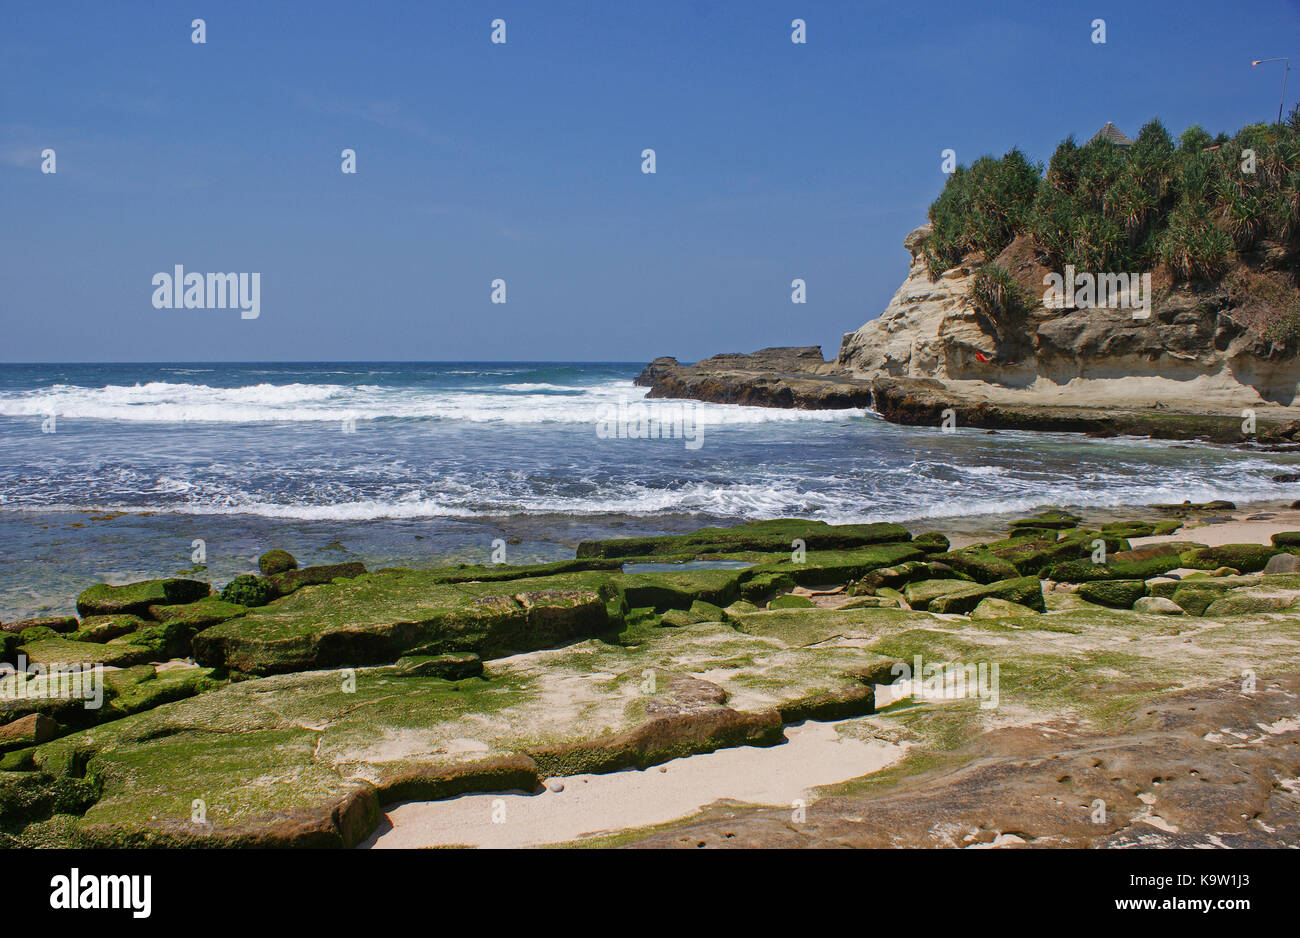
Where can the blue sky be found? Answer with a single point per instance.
(523, 161)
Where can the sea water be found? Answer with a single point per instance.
(118, 472)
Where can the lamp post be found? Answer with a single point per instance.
(1286, 68)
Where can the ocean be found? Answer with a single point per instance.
(126, 471)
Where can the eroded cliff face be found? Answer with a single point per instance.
(1210, 343)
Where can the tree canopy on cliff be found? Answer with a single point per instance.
(1188, 205)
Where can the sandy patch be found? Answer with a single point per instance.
(1237, 531)
(814, 754)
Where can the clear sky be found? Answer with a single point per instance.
(522, 161)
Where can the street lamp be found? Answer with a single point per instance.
(1285, 69)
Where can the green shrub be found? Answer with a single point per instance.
(980, 209)
(1192, 247)
(1103, 208)
(996, 295)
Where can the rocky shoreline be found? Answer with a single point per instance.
(801, 378)
(1204, 360)
(356, 690)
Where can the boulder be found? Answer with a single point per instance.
(1117, 594)
(1127, 529)
(291, 580)
(451, 667)
(1282, 563)
(201, 614)
(775, 536)
(1285, 539)
(932, 542)
(1027, 591)
(1247, 558)
(276, 561)
(106, 628)
(1195, 601)
(1138, 564)
(31, 730)
(248, 591)
(105, 600)
(1157, 606)
(1053, 519)
(61, 624)
(791, 602)
(993, 608)
(920, 593)
(978, 564)
(1246, 603)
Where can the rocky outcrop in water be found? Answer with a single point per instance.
(771, 377)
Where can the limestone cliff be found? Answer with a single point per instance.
(1216, 344)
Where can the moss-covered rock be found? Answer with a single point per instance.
(1246, 558)
(678, 590)
(893, 576)
(276, 561)
(54, 649)
(776, 536)
(791, 602)
(838, 566)
(200, 615)
(920, 593)
(1157, 606)
(1029, 557)
(994, 608)
(1193, 600)
(699, 612)
(292, 580)
(1138, 564)
(1056, 518)
(1246, 603)
(1286, 539)
(1084, 540)
(105, 600)
(450, 667)
(61, 624)
(379, 617)
(27, 797)
(932, 542)
(758, 587)
(978, 564)
(1128, 529)
(248, 591)
(105, 628)
(31, 730)
(1026, 591)
(1117, 594)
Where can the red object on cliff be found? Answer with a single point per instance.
(981, 357)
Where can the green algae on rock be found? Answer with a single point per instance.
(1118, 594)
(276, 561)
(1025, 591)
(1246, 558)
(103, 600)
(765, 536)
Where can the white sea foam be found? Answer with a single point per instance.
(749, 500)
(166, 402)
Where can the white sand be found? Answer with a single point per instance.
(814, 754)
(1237, 531)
